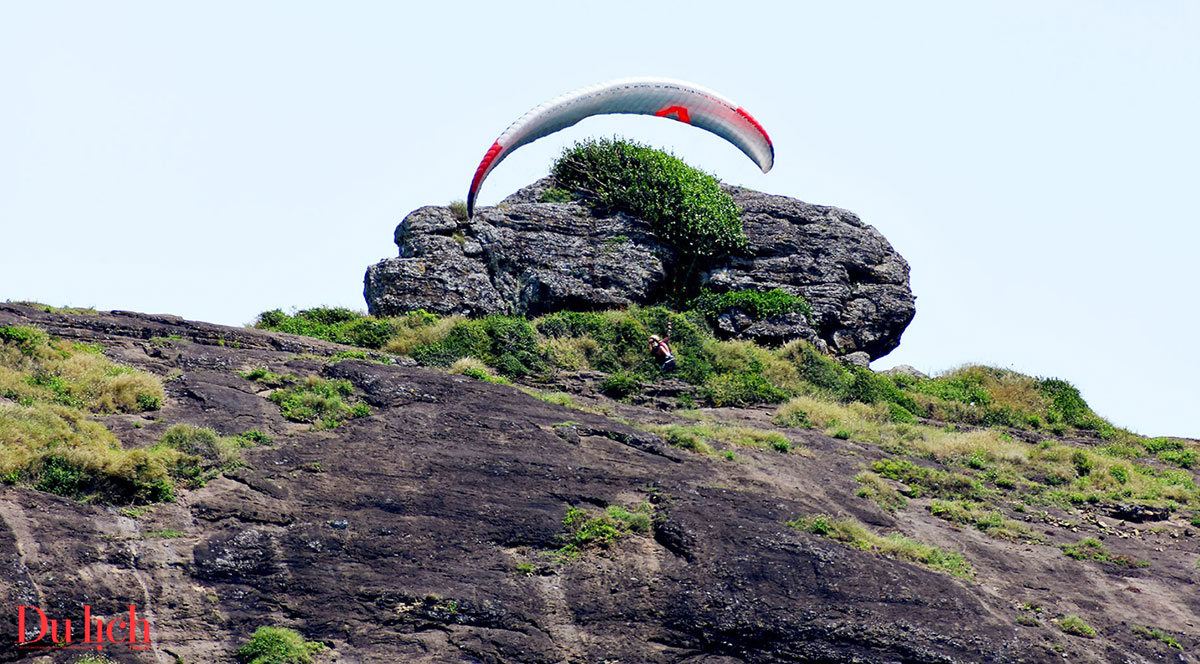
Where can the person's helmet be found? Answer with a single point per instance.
(655, 338)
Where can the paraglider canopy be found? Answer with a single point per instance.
(660, 97)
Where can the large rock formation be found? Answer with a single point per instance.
(427, 533)
(526, 256)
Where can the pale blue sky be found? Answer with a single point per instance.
(1036, 162)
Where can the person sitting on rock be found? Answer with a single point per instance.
(661, 350)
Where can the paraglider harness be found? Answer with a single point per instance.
(662, 350)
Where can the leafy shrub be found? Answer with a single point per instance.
(78, 480)
(1152, 634)
(1181, 458)
(758, 305)
(26, 339)
(508, 343)
(338, 325)
(867, 386)
(621, 385)
(278, 645)
(1067, 405)
(255, 437)
(583, 531)
(898, 413)
(815, 368)
(686, 208)
(1119, 473)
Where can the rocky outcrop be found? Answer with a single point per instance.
(529, 257)
(428, 532)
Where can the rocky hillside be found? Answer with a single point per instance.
(447, 519)
(529, 256)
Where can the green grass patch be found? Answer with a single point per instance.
(925, 481)
(1154, 634)
(57, 449)
(758, 305)
(1091, 549)
(168, 533)
(556, 195)
(584, 531)
(981, 517)
(473, 368)
(312, 400)
(1075, 626)
(278, 645)
(700, 436)
(339, 325)
(895, 545)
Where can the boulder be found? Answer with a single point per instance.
(525, 256)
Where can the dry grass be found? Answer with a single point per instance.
(743, 356)
(28, 431)
(571, 353)
(57, 449)
(477, 369)
(412, 333)
(986, 444)
(39, 369)
(699, 436)
(872, 486)
(855, 421)
(871, 423)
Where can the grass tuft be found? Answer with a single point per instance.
(895, 545)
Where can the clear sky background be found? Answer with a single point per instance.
(1036, 162)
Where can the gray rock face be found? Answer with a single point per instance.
(529, 257)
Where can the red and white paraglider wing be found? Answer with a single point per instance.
(660, 97)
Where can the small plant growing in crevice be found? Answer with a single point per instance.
(458, 210)
(1075, 626)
